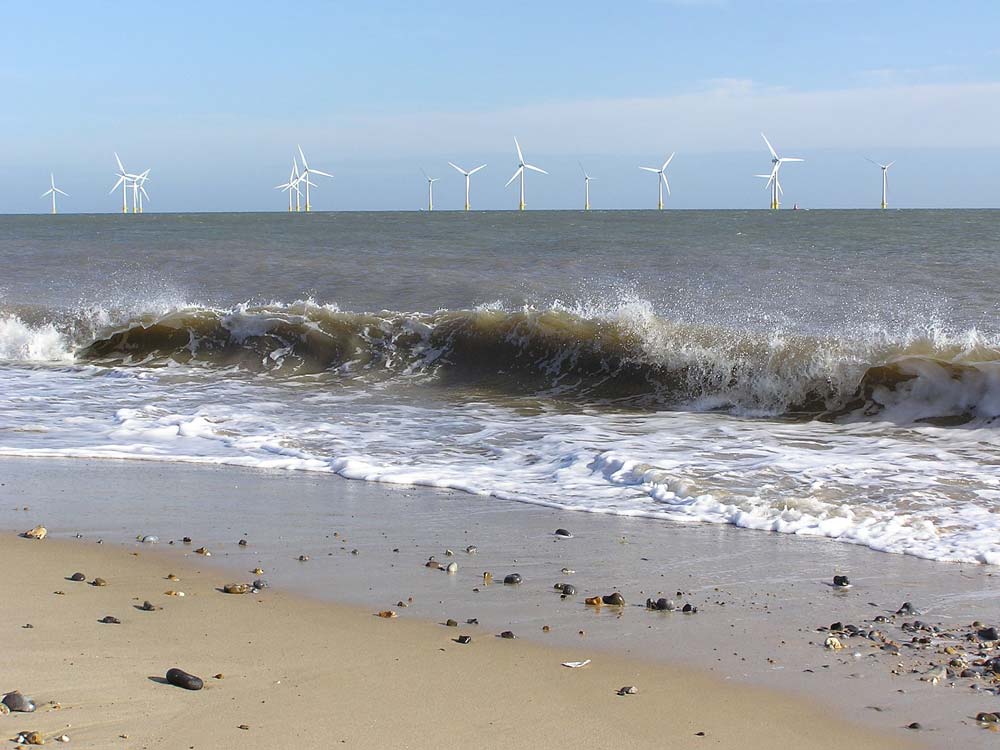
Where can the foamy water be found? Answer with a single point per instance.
(768, 413)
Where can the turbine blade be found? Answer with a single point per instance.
(481, 166)
(455, 166)
(516, 175)
(46, 193)
(534, 168)
(120, 167)
(120, 181)
(303, 156)
(143, 191)
(60, 192)
(650, 169)
(789, 158)
(667, 162)
(889, 164)
(770, 148)
(520, 156)
(665, 183)
(323, 174)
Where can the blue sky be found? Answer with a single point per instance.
(213, 97)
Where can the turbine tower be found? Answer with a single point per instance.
(305, 176)
(522, 166)
(885, 179)
(52, 191)
(468, 175)
(292, 184)
(586, 188)
(430, 190)
(772, 179)
(661, 180)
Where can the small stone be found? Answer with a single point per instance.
(451, 623)
(39, 532)
(98, 582)
(387, 614)
(593, 601)
(934, 675)
(62, 738)
(260, 584)
(472, 621)
(172, 577)
(148, 606)
(15, 701)
(464, 639)
(563, 533)
(987, 717)
(567, 589)
(182, 679)
(149, 539)
(988, 634)
(508, 634)
(28, 626)
(915, 726)
(449, 553)
(841, 582)
(78, 577)
(568, 571)
(110, 620)
(203, 551)
(487, 578)
(615, 599)
(689, 609)
(452, 568)
(218, 676)
(546, 628)
(512, 579)
(242, 542)
(628, 690)
(236, 588)
(303, 558)
(171, 592)
(355, 552)
(833, 643)
(471, 549)
(243, 726)
(31, 738)
(258, 571)
(186, 540)
(906, 609)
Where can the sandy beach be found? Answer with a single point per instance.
(308, 661)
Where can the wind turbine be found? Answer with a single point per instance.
(522, 165)
(138, 190)
(885, 180)
(305, 175)
(468, 175)
(430, 190)
(123, 180)
(586, 188)
(140, 181)
(661, 180)
(52, 191)
(772, 179)
(292, 184)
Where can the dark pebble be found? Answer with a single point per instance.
(915, 725)
(841, 581)
(464, 639)
(452, 623)
(243, 542)
(512, 578)
(837, 627)
(508, 634)
(563, 532)
(110, 620)
(689, 609)
(566, 588)
(988, 634)
(472, 621)
(182, 679)
(148, 606)
(906, 609)
(15, 701)
(78, 577)
(186, 540)
(614, 599)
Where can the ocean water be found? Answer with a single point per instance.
(829, 373)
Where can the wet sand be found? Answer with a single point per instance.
(749, 669)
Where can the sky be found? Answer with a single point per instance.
(214, 97)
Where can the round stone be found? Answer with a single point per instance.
(183, 679)
(78, 577)
(615, 599)
(512, 579)
(563, 533)
(15, 701)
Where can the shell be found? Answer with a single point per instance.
(833, 643)
(387, 614)
(15, 701)
(236, 588)
(39, 532)
(628, 690)
(452, 567)
(203, 551)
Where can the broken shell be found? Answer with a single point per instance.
(568, 571)
(628, 690)
(173, 593)
(39, 532)
(387, 614)
(15, 701)
(203, 551)
(236, 588)
(258, 571)
(452, 567)
(303, 558)
(98, 582)
(833, 642)
(449, 553)
(472, 549)
(149, 539)
(172, 577)
(593, 601)
(563, 533)
(31, 738)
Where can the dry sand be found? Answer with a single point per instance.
(299, 672)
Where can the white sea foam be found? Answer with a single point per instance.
(20, 342)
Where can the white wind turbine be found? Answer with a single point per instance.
(430, 190)
(306, 171)
(522, 165)
(586, 188)
(885, 179)
(52, 191)
(661, 180)
(468, 176)
(772, 179)
(124, 179)
(291, 185)
(139, 182)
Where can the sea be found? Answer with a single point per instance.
(823, 373)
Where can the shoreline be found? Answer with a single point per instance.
(760, 596)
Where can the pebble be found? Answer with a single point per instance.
(833, 643)
(172, 577)
(568, 571)
(915, 725)
(472, 621)
(260, 584)
(78, 577)
(452, 568)
(661, 604)
(258, 571)
(615, 599)
(148, 606)
(906, 609)
(110, 620)
(934, 675)
(149, 539)
(242, 542)
(303, 558)
(186, 540)
(236, 588)
(451, 623)
(563, 533)
(171, 592)
(15, 701)
(689, 609)
(841, 582)
(39, 532)
(464, 639)
(472, 549)
(987, 717)
(387, 614)
(593, 601)
(98, 582)
(988, 634)
(203, 551)
(628, 690)
(508, 634)
(449, 553)
(30, 738)
(183, 679)
(565, 588)
(432, 564)
(512, 579)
